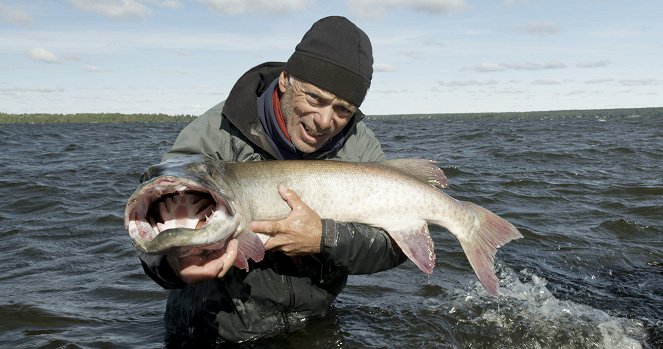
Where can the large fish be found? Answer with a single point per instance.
(190, 203)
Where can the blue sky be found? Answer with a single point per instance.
(431, 56)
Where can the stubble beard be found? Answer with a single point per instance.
(292, 121)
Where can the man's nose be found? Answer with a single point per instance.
(325, 117)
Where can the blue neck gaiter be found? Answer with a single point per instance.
(285, 150)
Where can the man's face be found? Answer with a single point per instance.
(312, 115)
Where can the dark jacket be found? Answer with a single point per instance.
(280, 291)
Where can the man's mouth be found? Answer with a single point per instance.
(312, 133)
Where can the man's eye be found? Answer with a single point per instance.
(312, 98)
(344, 112)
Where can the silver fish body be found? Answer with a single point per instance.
(401, 196)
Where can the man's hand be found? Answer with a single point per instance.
(201, 267)
(299, 233)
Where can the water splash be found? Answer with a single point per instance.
(532, 317)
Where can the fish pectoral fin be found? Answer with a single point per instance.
(249, 246)
(414, 240)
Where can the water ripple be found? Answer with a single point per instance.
(586, 197)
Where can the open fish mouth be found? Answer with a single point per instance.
(168, 203)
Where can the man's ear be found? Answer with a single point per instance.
(283, 81)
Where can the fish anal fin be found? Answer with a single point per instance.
(414, 240)
(424, 170)
(249, 246)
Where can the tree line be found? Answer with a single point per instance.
(598, 113)
(83, 118)
(44, 118)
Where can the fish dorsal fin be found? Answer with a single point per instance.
(421, 169)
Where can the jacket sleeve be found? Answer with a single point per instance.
(163, 274)
(359, 248)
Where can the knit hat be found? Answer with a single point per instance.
(336, 56)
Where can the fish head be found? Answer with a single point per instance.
(183, 205)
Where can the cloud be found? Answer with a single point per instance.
(593, 64)
(617, 34)
(641, 82)
(91, 68)
(378, 8)
(493, 67)
(385, 68)
(434, 43)
(546, 82)
(469, 82)
(42, 55)
(513, 2)
(113, 8)
(414, 54)
(14, 15)
(391, 92)
(573, 93)
(489, 67)
(599, 81)
(177, 40)
(22, 91)
(238, 7)
(173, 4)
(536, 66)
(539, 28)
(73, 58)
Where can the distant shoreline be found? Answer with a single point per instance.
(44, 118)
(88, 118)
(616, 112)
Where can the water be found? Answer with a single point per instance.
(587, 194)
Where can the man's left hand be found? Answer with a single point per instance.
(298, 234)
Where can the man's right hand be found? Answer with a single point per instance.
(197, 268)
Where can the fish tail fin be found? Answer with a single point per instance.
(482, 241)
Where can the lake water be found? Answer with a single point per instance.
(586, 193)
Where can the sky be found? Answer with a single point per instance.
(431, 56)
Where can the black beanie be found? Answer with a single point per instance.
(335, 55)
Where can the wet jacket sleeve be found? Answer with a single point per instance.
(359, 248)
(163, 274)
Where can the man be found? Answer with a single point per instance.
(306, 108)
